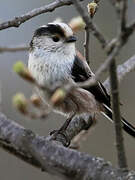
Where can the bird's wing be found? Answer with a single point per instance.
(81, 72)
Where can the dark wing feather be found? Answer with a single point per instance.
(81, 72)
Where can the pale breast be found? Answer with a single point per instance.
(50, 69)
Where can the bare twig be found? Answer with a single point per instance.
(17, 21)
(122, 162)
(13, 48)
(90, 24)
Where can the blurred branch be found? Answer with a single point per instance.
(54, 158)
(16, 48)
(121, 156)
(122, 70)
(17, 21)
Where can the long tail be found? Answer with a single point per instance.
(125, 125)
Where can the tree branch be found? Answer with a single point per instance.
(79, 123)
(17, 21)
(54, 158)
(122, 161)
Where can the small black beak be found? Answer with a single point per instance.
(71, 39)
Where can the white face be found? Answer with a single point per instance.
(49, 43)
(55, 42)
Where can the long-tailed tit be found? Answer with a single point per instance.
(53, 59)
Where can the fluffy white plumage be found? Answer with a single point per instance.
(48, 68)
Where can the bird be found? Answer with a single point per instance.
(54, 59)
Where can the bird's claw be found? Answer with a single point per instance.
(55, 133)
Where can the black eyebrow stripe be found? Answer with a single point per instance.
(49, 29)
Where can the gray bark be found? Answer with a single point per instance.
(53, 157)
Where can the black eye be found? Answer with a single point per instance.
(55, 38)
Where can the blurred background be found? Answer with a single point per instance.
(101, 141)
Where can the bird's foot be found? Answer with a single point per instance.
(58, 133)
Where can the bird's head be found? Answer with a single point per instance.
(54, 37)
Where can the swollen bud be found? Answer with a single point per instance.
(77, 24)
(20, 102)
(92, 8)
(23, 71)
(58, 96)
(36, 100)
